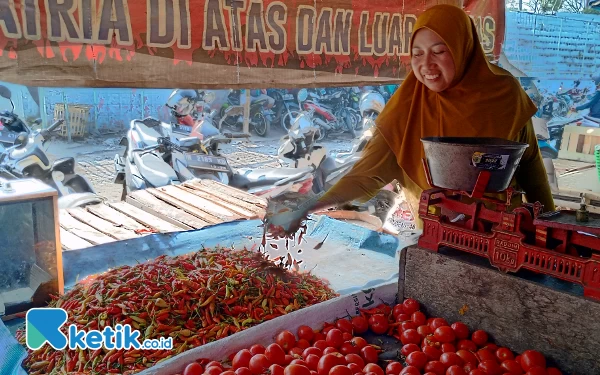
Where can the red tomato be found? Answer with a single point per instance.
(335, 338)
(306, 333)
(403, 317)
(257, 349)
(241, 359)
(479, 337)
(436, 367)
(424, 330)
(327, 329)
(418, 318)
(303, 344)
(410, 336)
(444, 334)
(406, 325)
(312, 360)
(356, 359)
(286, 340)
(448, 348)
(490, 367)
(486, 355)
(348, 348)
(340, 370)
(330, 350)
(467, 356)
(536, 370)
(417, 359)
(470, 367)
(312, 350)
(477, 372)
(344, 325)
(318, 336)
(466, 345)
(296, 370)
(360, 324)
(359, 342)
(431, 341)
(374, 368)
(553, 371)
(504, 354)
(193, 368)
(437, 323)
(275, 354)
(321, 344)
(258, 364)
(313, 372)
(531, 358)
(229, 372)
(409, 348)
(397, 310)
(296, 352)
(410, 306)
(379, 324)
(433, 353)
(327, 362)
(300, 362)
(288, 359)
(512, 367)
(410, 370)
(460, 330)
(491, 347)
(214, 363)
(393, 368)
(347, 336)
(451, 359)
(275, 369)
(243, 371)
(356, 369)
(455, 370)
(369, 354)
(213, 370)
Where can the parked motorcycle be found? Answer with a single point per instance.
(286, 107)
(26, 158)
(154, 158)
(188, 107)
(261, 116)
(330, 113)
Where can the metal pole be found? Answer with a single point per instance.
(43, 114)
(246, 128)
(67, 119)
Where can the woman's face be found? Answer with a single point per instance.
(432, 61)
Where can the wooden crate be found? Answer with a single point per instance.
(578, 143)
(79, 115)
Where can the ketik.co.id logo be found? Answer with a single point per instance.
(43, 325)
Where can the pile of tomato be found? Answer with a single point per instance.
(430, 346)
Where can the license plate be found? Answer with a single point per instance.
(288, 97)
(8, 137)
(183, 128)
(208, 162)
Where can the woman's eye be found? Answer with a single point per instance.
(417, 54)
(438, 52)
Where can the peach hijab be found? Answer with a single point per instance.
(482, 101)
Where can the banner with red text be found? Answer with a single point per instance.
(218, 43)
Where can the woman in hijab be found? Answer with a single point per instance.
(452, 91)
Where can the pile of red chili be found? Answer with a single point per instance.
(194, 298)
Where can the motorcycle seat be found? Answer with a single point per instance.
(250, 178)
(148, 134)
(154, 170)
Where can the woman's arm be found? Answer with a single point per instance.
(376, 168)
(531, 175)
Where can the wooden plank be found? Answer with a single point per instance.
(580, 142)
(69, 241)
(111, 215)
(573, 142)
(256, 210)
(201, 203)
(587, 146)
(565, 141)
(165, 210)
(595, 141)
(101, 225)
(145, 218)
(240, 194)
(217, 200)
(185, 207)
(82, 230)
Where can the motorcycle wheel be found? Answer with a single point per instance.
(261, 124)
(562, 109)
(350, 124)
(229, 120)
